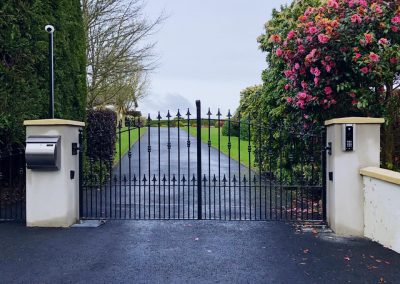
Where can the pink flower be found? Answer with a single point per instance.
(297, 66)
(288, 73)
(302, 96)
(309, 38)
(357, 56)
(393, 60)
(364, 70)
(394, 28)
(328, 90)
(333, 4)
(304, 85)
(328, 68)
(354, 102)
(374, 57)
(368, 37)
(301, 49)
(312, 30)
(316, 81)
(383, 41)
(323, 38)
(363, 3)
(275, 38)
(300, 104)
(287, 87)
(356, 19)
(352, 94)
(279, 52)
(290, 35)
(333, 101)
(289, 100)
(396, 20)
(315, 71)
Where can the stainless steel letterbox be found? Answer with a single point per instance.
(43, 152)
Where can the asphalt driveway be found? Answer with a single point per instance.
(190, 252)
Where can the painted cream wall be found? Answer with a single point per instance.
(345, 206)
(382, 212)
(52, 197)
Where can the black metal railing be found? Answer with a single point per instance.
(224, 168)
(12, 184)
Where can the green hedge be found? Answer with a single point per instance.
(24, 64)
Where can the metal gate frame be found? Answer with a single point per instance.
(113, 185)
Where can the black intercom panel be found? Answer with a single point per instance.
(348, 137)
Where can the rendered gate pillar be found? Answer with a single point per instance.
(354, 143)
(52, 175)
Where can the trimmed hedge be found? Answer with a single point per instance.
(234, 129)
(101, 134)
(24, 64)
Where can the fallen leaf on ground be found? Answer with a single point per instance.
(347, 258)
(306, 250)
(196, 239)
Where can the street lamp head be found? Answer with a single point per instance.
(49, 29)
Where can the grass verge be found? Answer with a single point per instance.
(244, 154)
(124, 141)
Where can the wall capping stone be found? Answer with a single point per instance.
(381, 174)
(355, 120)
(54, 121)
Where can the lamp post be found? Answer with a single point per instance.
(50, 30)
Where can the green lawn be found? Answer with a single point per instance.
(244, 154)
(125, 141)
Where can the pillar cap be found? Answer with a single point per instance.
(355, 120)
(49, 122)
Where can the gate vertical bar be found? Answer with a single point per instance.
(198, 124)
(323, 166)
(80, 139)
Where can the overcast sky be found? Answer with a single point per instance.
(207, 50)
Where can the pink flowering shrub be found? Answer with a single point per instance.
(343, 55)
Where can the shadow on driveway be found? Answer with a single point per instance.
(190, 252)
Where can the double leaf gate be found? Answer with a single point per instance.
(186, 167)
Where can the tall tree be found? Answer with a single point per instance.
(116, 31)
(129, 92)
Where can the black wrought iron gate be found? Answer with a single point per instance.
(223, 168)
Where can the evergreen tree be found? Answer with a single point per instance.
(24, 67)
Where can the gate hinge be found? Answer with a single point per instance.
(329, 148)
(75, 149)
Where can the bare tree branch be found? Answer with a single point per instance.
(117, 50)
